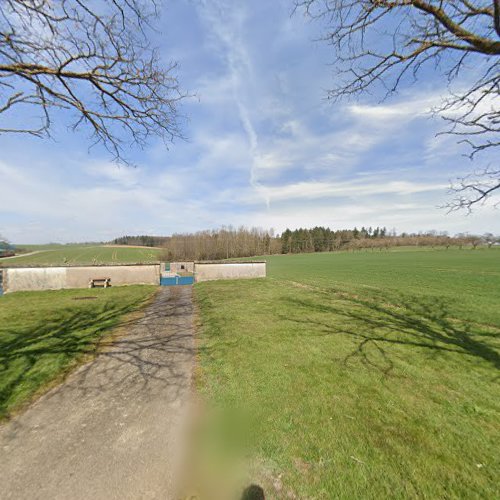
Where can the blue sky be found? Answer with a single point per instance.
(264, 148)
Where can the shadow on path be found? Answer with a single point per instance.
(115, 427)
(145, 345)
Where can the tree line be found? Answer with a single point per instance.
(223, 243)
(141, 240)
(229, 242)
(323, 239)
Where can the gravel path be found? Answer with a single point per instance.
(114, 429)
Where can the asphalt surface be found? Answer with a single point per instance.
(115, 428)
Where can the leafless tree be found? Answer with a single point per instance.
(490, 239)
(223, 243)
(474, 189)
(92, 59)
(379, 44)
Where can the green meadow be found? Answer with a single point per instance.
(52, 255)
(359, 375)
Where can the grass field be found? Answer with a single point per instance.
(84, 254)
(45, 334)
(360, 375)
(49, 246)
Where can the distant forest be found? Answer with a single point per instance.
(143, 241)
(229, 242)
(323, 239)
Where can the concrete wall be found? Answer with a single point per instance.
(177, 267)
(44, 278)
(78, 277)
(56, 278)
(228, 270)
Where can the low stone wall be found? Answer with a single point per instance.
(207, 271)
(56, 278)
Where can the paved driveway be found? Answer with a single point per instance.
(114, 429)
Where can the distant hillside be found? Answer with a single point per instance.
(84, 255)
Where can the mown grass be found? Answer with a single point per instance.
(361, 375)
(45, 334)
(85, 255)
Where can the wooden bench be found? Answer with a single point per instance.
(98, 282)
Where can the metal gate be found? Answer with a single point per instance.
(1, 282)
(176, 280)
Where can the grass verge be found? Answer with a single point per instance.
(345, 389)
(43, 335)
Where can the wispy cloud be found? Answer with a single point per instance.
(314, 190)
(226, 21)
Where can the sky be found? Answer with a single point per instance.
(263, 147)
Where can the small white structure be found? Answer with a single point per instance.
(182, 267)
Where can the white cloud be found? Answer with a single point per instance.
(407, 107)
(47, 210)
(411, 217)
(314, 190)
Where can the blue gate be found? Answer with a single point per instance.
(176, 280)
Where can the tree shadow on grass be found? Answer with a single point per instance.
(146, 357)
(378, 321)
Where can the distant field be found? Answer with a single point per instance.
(85, 254)
(44, 334)
(359, 375)
(49, 246)
(467, 280)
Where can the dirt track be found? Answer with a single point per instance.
(114, 429)
(22, 255)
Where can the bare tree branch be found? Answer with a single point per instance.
(496, 6)
(92, 60)
(474, 189)
(381, 44)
